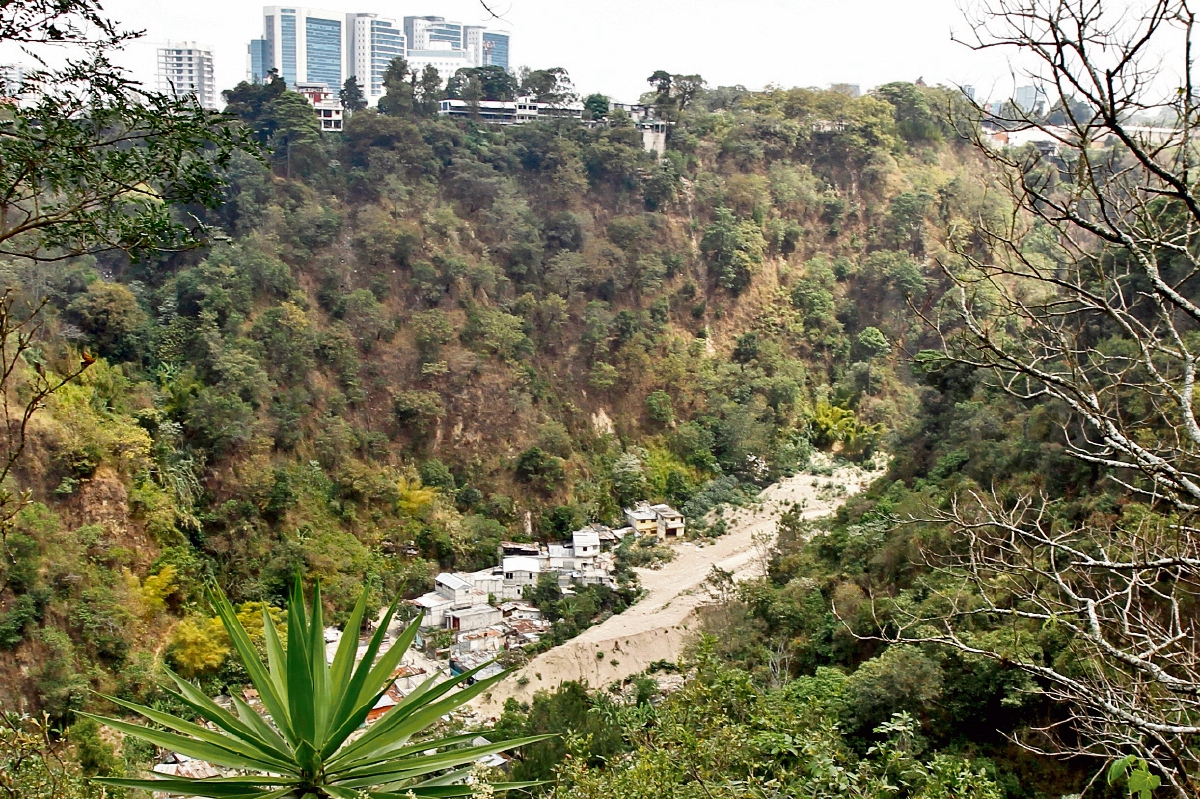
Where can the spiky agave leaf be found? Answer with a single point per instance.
(303, 749)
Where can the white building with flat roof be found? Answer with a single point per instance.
(509, 112)
(444, 59)
(186, 68)
(451, 593)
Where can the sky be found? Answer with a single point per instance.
(612, 46)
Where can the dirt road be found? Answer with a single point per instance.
(657, 627)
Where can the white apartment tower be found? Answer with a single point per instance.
(187, 68)
(372, 42)
(305, 45)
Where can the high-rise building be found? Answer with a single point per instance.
(371, 44)
(473, 44)
(495, 49)
(306, 45)
(12, 78)
(434, 33)
(1030, 99)
(186, 68)
(257, 62)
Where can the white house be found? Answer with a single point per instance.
(475, 617)
(451, 593)
(586, 544)
(520, 571)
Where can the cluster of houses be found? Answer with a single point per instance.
(486, 609)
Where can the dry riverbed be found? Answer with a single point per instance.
(659, 625)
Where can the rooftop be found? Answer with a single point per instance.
(518, 563)
(453, 582)
(585, 538)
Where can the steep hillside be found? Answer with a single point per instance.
(424, 336)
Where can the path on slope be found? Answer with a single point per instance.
(657, 626)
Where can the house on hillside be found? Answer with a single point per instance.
(451, 593)
(177, 765)
(475, 617)
(529, 550)
(585, 545)
(669, 522)
(660, 520)
(520, 571)
(642, 519)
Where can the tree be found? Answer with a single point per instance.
(674, 93)
(735, 249)
(873, 343)
(540, 468)
(472, 93)
(427, 90)
(351, 95)
(661, 82)
(398, 91)
(915, 119)
(253, 103)
(660, 407)
(629, 478)
(495, 83)
(297, 137)
(33, 764)
(89, 163)
(307, 750)
(551, 86)
(596, 105)
(1084, 302)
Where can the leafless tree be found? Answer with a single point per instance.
(1087, 297)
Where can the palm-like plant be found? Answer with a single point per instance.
(304, 748)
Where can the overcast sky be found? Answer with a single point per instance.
(611, 46)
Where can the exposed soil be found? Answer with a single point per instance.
(660, 624)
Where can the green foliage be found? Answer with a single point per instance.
(417, 410)
(112, 183)
(16, 621)
(660, 407)
(873, 342)
(436, 474)
(540, 469)
(492, 297)
(351, 95)
(721, 735)
(495, 83)
(734, 249)
(596, 105)
(549, 86)
(629, 478)
(33, 765)
(1137, 776)
(314, 706)
(833, 425)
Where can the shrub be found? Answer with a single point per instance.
(660, 407)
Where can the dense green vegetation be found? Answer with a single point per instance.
(439, 332)
(419, 337)
(433, 334)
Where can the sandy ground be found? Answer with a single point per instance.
(658, 626)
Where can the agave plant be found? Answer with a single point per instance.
(305, 746)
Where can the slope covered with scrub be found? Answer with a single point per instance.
(422, 336)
